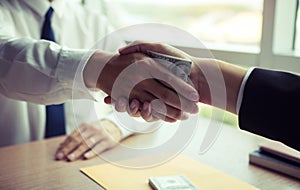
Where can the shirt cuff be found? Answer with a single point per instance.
(70, 72)
(241, 91)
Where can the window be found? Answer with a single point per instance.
(264, 33)
(214, 21)
(266, 38)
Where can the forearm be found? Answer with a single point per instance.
(37, 71)
(233, 77)
(211, 85)
(43, 72)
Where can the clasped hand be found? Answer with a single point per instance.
(154, 92)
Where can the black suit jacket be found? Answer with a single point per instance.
(271, 106)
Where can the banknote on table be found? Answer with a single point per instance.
(178, 66)
(175, 182)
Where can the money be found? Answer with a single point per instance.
(178, 66)
(176, 182)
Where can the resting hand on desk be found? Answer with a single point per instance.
(89, 140)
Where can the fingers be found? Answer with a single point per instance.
(84, 146)
(140, 47)
(156, 110)
(133, 108)
(168, 111)
(112, 137)
(179, 86)
(152, 112)
(87, 137)
(143, 47)
(121, 105)
(152, 89)
(70, 143)
(98, 149)
(150, 115)
(172, 99)
(146, 112)
(158, 116)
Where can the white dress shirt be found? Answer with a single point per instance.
(241, 90)
(53, 66)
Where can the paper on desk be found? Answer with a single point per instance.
(113, 177)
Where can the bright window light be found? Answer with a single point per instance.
(214, 21)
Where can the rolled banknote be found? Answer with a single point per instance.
(178, 66)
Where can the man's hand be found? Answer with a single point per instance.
(136, 76)
(217, 82)
(89, 140)
(144, 109)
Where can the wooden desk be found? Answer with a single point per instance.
(31, 165)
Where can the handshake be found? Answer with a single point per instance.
(159, 82)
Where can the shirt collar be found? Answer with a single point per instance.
(59, 7)
(42, 6)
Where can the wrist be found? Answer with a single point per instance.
(112, 129)
(198, 79)
(233, 77)
(215, 79)
(94, 67)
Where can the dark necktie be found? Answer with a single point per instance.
(55, 120)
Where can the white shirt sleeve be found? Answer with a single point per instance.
(38, 71)
(241, 91)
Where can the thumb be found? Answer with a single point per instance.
(138, 46)
(144, 47)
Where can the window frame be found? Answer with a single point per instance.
(275, 50)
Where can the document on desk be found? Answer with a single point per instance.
(113, 177)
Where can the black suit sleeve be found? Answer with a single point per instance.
(271, 106)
